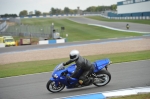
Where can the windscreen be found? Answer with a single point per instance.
(59, 67)
(9, 40)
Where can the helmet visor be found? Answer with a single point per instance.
(73, 57)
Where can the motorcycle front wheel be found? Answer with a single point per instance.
(52, 88)
(103, 78)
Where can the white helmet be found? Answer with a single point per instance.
(74, 54)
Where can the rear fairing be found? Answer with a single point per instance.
(100, 64)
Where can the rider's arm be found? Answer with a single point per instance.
(68, 62)
(76, 72)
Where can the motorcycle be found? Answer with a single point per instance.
(59, 79)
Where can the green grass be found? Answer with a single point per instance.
(31, 67)
(139, 96)
(78, 32)
(115, 20)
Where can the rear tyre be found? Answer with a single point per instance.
(104, 78)
(52, 88)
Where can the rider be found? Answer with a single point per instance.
(82, 64)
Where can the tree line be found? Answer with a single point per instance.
(8, 15)
(53, 11)
(66, 10)
(101, 8)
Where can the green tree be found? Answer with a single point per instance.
(98, 8)
(9, 15)
(71, 11)
(91, 9)
(45, 13)
(58, 11)
(14, 15)
(66, 10)
(114, 7)
(6, 15)
(37, 13)
(53, 11)
(23, 13)
(75, 11)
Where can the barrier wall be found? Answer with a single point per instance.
(47, 16)
(130, 18)
(43, 42)
(2, 45)
(139, 14)
(52, 41)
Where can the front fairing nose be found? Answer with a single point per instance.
(58, 73)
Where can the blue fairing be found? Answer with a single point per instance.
(58, 72)
(71, 68)
(52, 79)
(100, 64)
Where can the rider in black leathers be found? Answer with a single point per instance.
(82, 64)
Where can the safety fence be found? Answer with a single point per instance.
(121, 18)
(17, 19)
(131, 18)
(29, 31)
(45, 16)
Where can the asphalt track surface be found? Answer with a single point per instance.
(118, 25)
(124, 75)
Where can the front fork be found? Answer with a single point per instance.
(106, 67)
(57, 83)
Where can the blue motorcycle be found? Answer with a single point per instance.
(59, 79)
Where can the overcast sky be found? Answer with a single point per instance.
(15, 6)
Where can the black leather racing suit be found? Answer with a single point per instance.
(84, 65)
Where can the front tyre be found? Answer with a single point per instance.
(103, 78)
(52, 88)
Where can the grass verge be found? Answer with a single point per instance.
(139, 96)
(115, 20)
(31, 67)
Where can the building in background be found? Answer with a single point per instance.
(132, 8)
(79, 11)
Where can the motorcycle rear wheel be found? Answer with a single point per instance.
(52, 88)
(105, 75)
